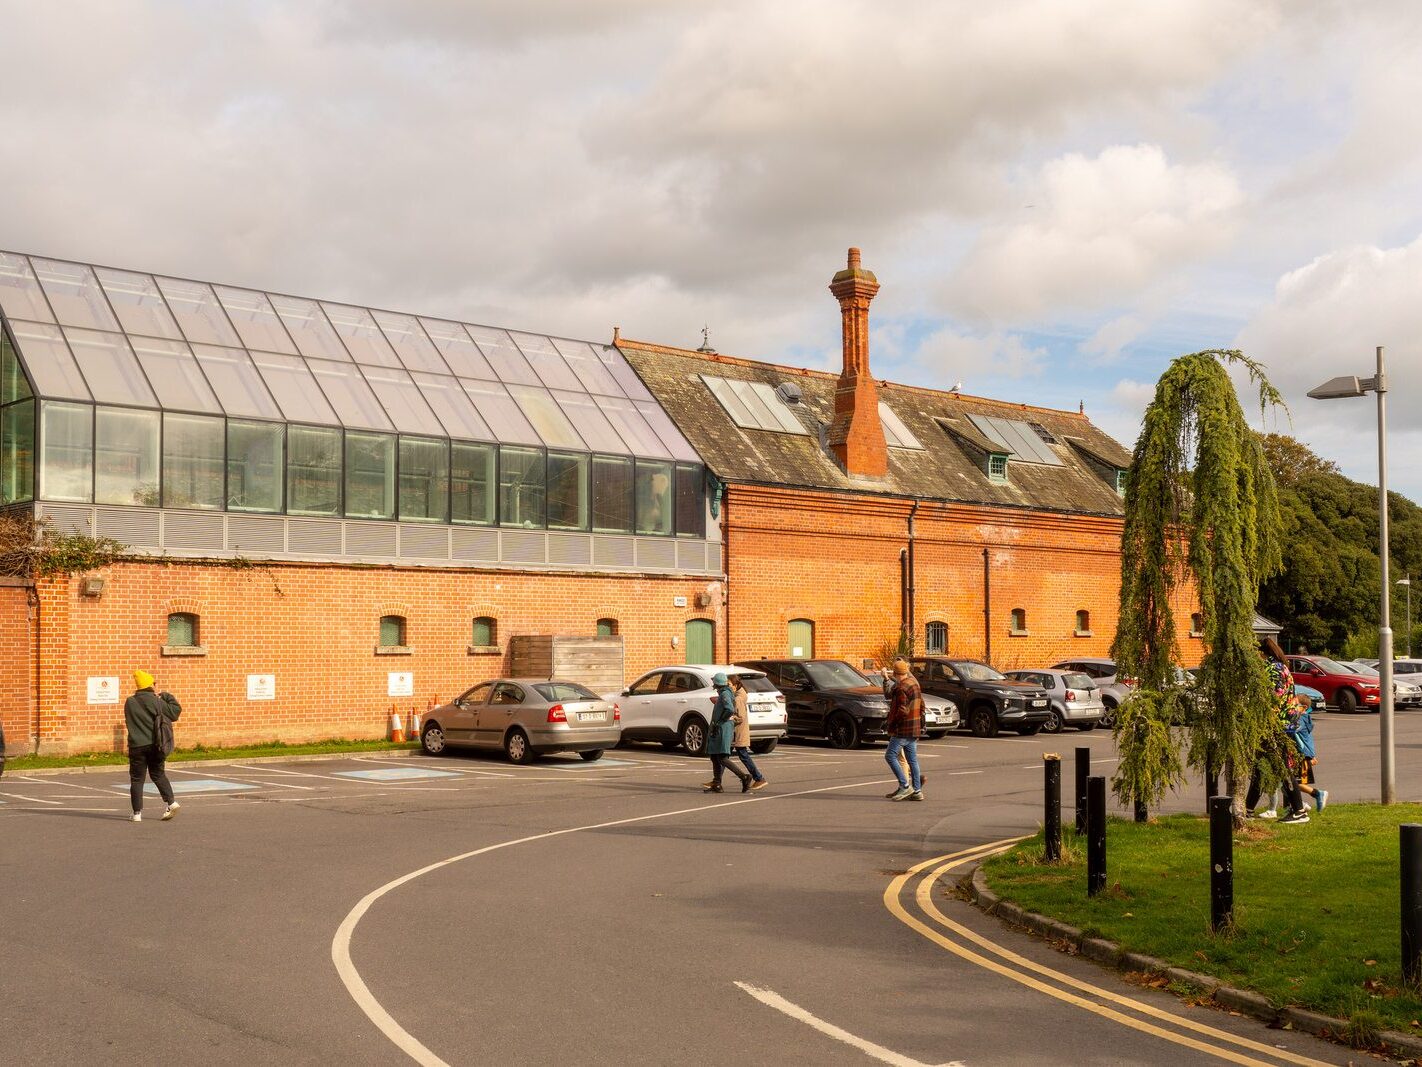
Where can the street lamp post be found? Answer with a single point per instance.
(1336, 389)
(1408, 582)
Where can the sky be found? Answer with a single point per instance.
(1057, 196)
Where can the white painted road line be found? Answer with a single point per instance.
(31, 800)
(964, 772)
(772, 999)
(245, 781)
(401, 1038)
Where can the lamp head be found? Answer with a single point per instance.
(1346, 385)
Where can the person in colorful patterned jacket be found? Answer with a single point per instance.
(1277, 750)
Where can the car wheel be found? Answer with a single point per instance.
(1347, 701)
(517, 748)
(432, 740)
(693, 736)
(591, 756)
(1108, 718)
(842, 731)
(984, 721)
(1055, 723)
(764, 748)
(1031, 730)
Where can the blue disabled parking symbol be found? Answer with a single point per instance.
(193, 785)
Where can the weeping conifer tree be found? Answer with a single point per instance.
(1201, 508)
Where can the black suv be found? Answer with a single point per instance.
(989, 700)
(827, 698)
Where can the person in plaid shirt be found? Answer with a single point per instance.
(904, 724)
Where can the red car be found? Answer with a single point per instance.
(1341, 688)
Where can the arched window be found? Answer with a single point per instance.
(1083, 623)
(1019, 620)
(392, 631)
(1197, 625)
(607, 627)
(182, 630)
(801, 637)
(935, 638)
(486, 632)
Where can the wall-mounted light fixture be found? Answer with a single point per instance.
(92, 587)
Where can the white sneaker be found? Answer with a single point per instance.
(171, 810)
(1320, 799)
(137, 816)
(1269, 814)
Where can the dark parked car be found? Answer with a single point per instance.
(1342, 688)
(988, 699)
(827, 698)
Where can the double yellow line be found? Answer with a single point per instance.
(956, 938)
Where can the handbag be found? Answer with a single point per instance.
(162, 730)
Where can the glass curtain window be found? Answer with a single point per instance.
(690, 508)
(192, 461)
(75, 295)
(126, 457)
(307, 324)
(424, 480)
(256, 322)
(471, 475)
(612, 494)
(20, 295)
(485, 632)
(49, 361)
(654, 498)
(175, 375)
(199, 315)
(109, 367)
(254, 462)
(17, 452)
(182, 630)
(313, 471)
(13, 385)
(370, 475)
(567, 492)
(67, 462)
(521, 488)
(236, 382)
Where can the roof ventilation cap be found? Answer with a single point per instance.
(789, 392)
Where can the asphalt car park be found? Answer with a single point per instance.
(361, 910)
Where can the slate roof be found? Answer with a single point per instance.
(950, 467)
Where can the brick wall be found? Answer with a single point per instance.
(315, 627)
(834, 558)
(17, 679)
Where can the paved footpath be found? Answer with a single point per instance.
(464, 911)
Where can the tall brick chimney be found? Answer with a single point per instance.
(856, 436)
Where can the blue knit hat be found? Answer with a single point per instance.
(719, 678)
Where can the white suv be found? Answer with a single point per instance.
(673, 705)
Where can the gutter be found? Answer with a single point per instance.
(987, 607)
(909, 606)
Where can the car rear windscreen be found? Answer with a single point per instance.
(1077, 681)
(757, 683)
(556, 691)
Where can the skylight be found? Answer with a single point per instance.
(753, 405)
(1017, 438)
(895, 432)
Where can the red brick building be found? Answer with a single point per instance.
(331, 510)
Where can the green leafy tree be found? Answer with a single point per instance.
(1201, 506)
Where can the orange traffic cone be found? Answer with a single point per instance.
(397, 728)
(414, 725)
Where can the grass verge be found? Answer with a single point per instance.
(1315, 907)
(334, 747)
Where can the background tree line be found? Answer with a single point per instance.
(1326, 595)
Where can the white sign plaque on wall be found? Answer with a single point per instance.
(678, 601)
(401, 684)
(103, 690)
(261, 687)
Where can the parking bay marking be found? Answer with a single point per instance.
(772, 999)
(396, 774)
(30, 800)
(200, 785)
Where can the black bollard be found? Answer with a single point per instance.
(1410, 835)
(1083, 771)
(1222, 862)
(1052, 813)
(1095, 835)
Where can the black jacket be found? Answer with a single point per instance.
(140, 713)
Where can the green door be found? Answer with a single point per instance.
(802, 638)
(700, 641)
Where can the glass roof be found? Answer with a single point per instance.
(140, 340)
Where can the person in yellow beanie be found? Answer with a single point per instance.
(145, 715)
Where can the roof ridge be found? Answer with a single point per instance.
(807, 372)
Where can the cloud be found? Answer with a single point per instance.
(950, 355)
(1097, 230)
(1112, 336)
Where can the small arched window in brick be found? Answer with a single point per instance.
(1019, 620)
(392, 631)
(182, 630)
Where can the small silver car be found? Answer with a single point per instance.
(527, 718)
(1076, 700)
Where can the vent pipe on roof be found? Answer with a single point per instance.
(856, 436)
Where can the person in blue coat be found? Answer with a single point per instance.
(718, 737)
(1300, 731)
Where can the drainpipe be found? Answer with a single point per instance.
(911, 626)
(987, 607)
(903, 595)
(721, 491)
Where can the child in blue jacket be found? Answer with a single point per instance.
(1300, 730)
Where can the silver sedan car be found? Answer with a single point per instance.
(527, 718)
(1076, 700)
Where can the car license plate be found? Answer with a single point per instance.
(592, 716)
(1039, 703)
